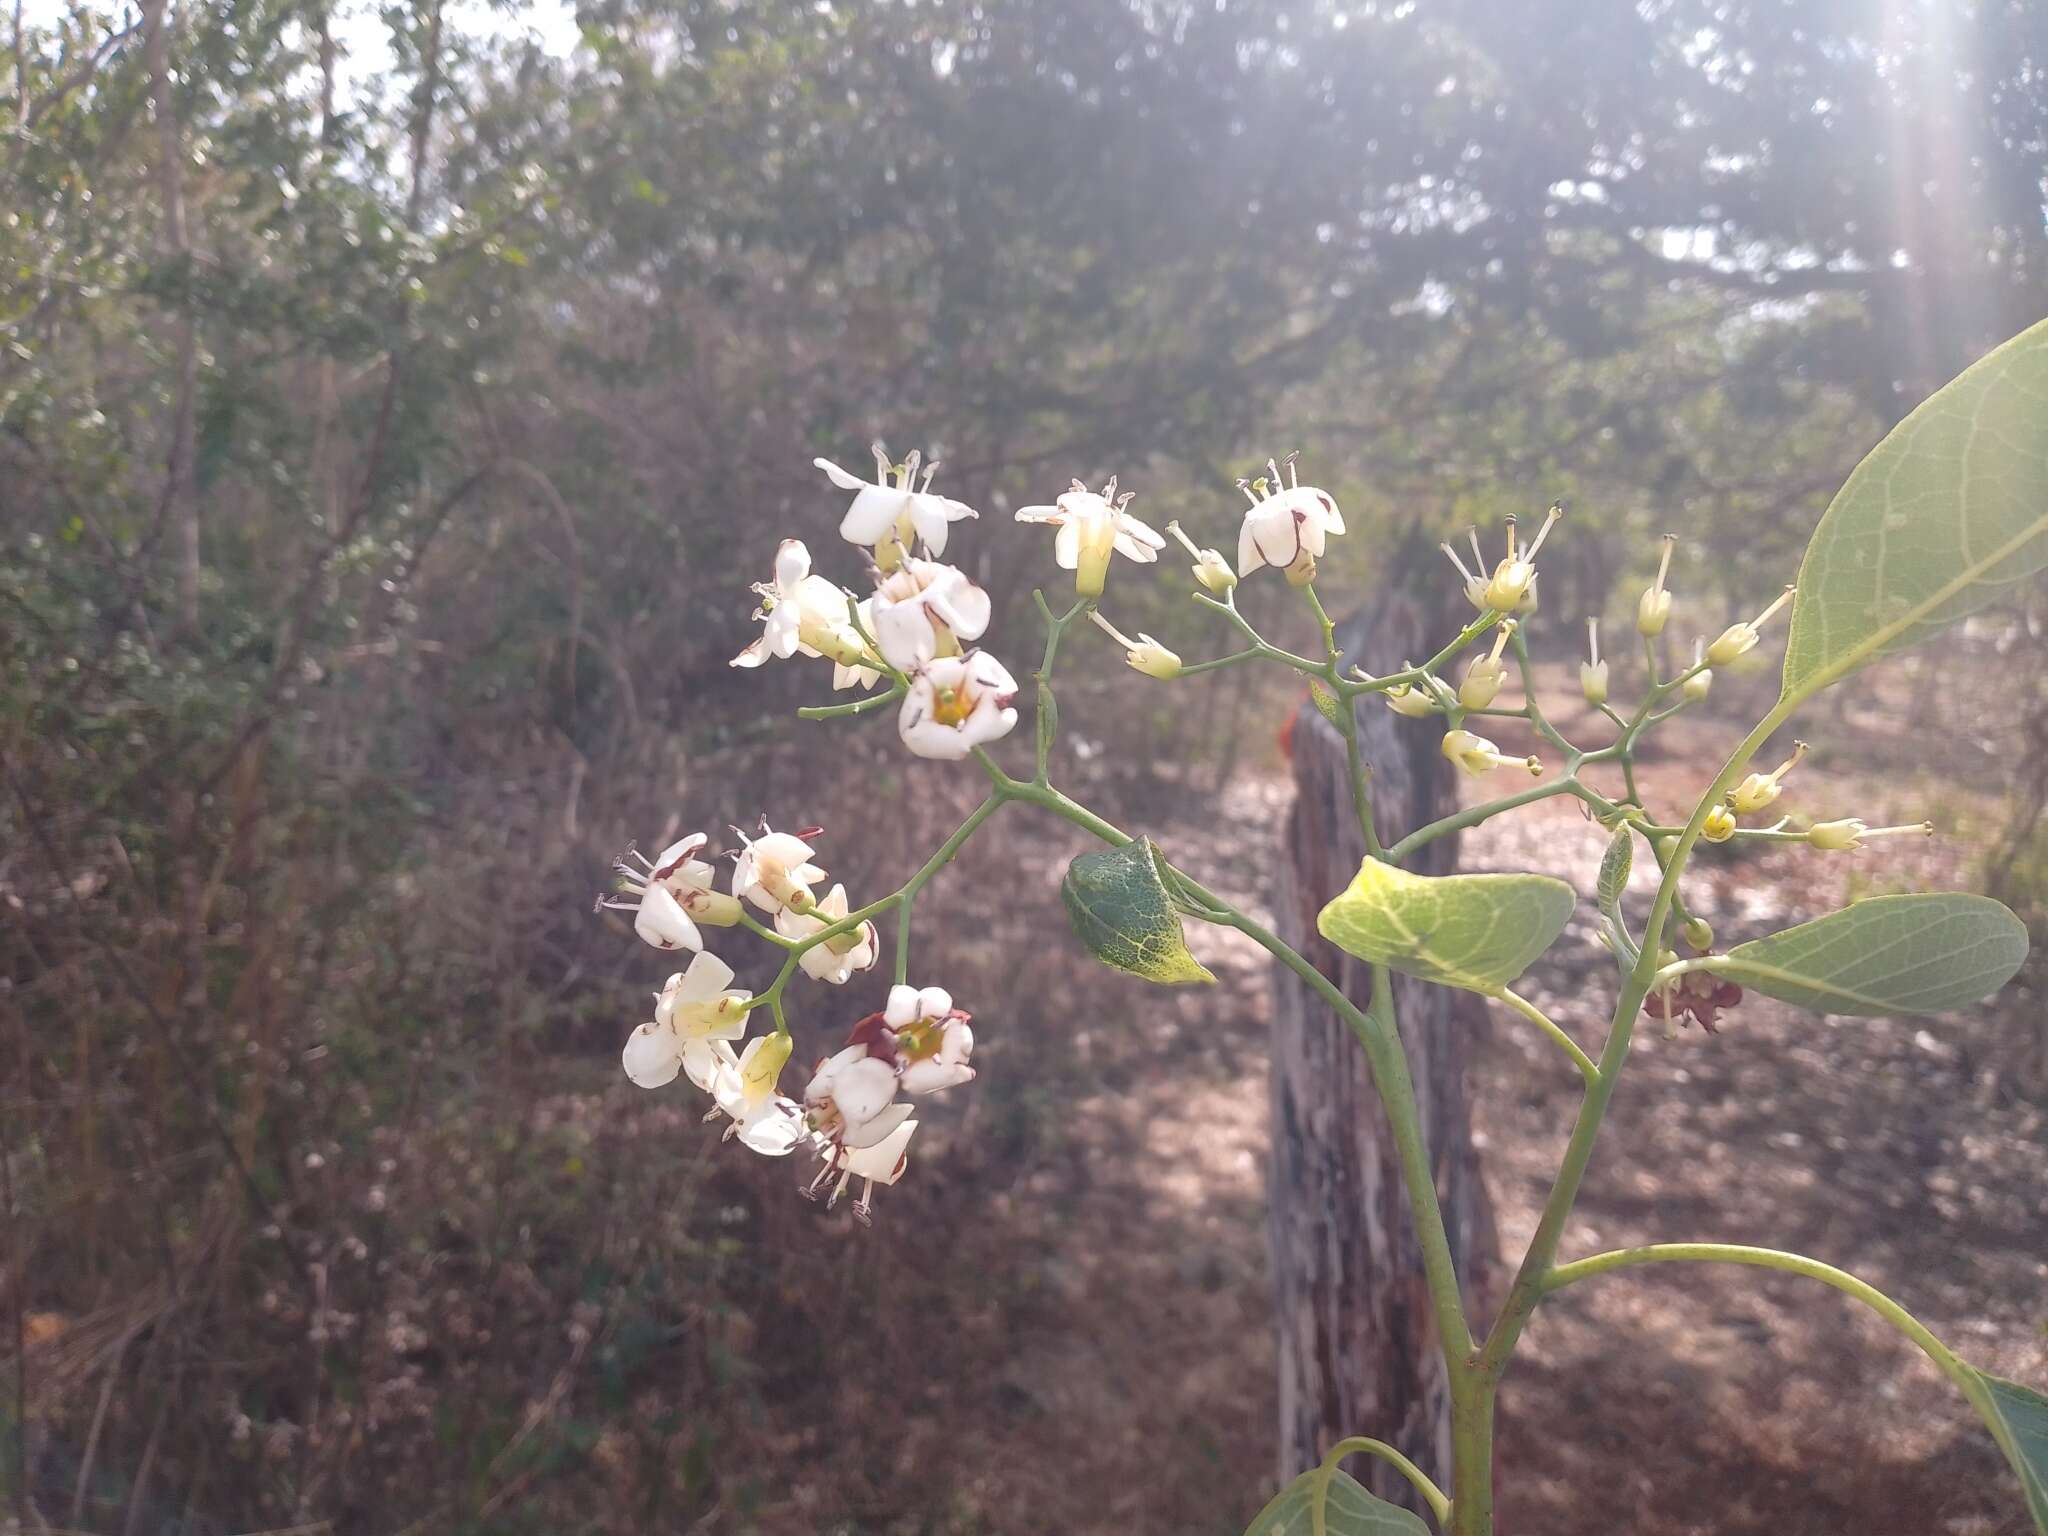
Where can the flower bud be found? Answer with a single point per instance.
(1210, 568)
(1696, 686)
(1414, 702)
(1302, 571)
(1653, 608)
(1593, 673)
(1486, 674)
(761, 1066)
(1848, 833)
(1719, 825)
(1698, 934)
(1760, 789)
(1738, 639)
(1477, 755)
(1144, 653)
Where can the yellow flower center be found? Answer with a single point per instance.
(952, 706)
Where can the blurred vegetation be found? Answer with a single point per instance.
(383, 454)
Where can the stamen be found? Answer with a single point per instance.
(1460, 564)
(1109, 490)
(1112, 631)
(1173, 527)
(1478, 557)
(882, 464)
(1074, 486)
(929, 470)
(1500, 640)
(1246, 487)
(1293, 475)
(1780, 601)
(1511, 535)
(1593, 639)
(1126, 499)
(1549, 522)
(1273, 472)
(1664, 564)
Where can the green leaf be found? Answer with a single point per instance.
(2018, 1418)
(1117, 900)
(1349, 1511)
(1474, 931)
(1886, 955)
(1945, 516)
(1327, 704)
(1615, 864)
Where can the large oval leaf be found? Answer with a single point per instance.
(1474, 931)
(2018, 1417)
(1349, 1511)
(1886, 955)
(1117, 900)
(1944, 516)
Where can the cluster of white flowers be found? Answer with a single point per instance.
(849, 1114)
(918, 627)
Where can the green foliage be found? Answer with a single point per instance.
(1885, 955)
(1478, 932)
(1118, 903)
(1945, 516)
(2018, 1418)
(1611, 882)
(1348, 1511)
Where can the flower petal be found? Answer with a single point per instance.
(652, 1057)
(872, 517)
(845, 480)
(662, 922)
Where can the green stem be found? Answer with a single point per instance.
(1527, 1288)
(1363, 1444)
(864, 706)
(1541, 1020)
(907, 896)
(1786, 1263)
(1046, 724)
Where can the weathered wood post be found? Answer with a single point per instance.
(1358, 1354)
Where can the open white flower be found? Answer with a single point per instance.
(801, 614)
(850, 1100)
(882, 1163)
(694, 1015)
(691, 880)
(1739, 639)
(1287, 527)
(649, 894)
(837, 959)
(932, 1039)
(955, 704)
(774, 870)
(744, 1086)
(889, 518)
(1091, 529)
(923, 610)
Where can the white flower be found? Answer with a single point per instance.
(1091, 528)
(837, 959)
(932, 1038)
(889, 518)
(744, 1087)
(801, 614)
(955, 704)
(774, 870)
(851, 1099)
(1286, 527)
(694, 1015)
(882, 1163)
(649, 894)
(923, 610)
(1477, 755)
(1417, 701)
(684, 876)
(1144, 653)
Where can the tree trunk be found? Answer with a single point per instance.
(1358, 1351)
